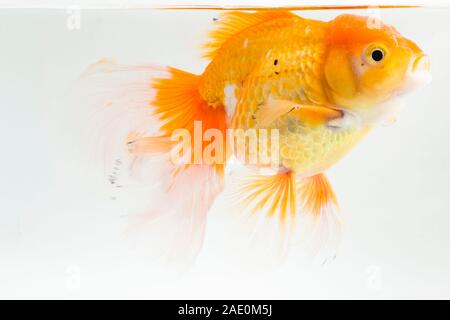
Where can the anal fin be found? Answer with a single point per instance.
(316, 194)
(321, 219)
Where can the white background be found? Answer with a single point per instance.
(60, 234)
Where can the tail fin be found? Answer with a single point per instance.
(178, 105)
(168, 100)
(194, 186)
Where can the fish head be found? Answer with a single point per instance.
(368, 63)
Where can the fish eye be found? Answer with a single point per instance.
(377, 54)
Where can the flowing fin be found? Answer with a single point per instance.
(264, 204)
(235, 22)
(194, 187)
(112, 103)
(149, 145)
(311, 114)
(167, 202)
(320, 209)
(316, 193)
(173, 231)
(274, 193)
(281, 212)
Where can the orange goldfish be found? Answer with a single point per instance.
(321, 86)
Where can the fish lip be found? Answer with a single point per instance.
(418, 73)
(421, 62)
(421, 69)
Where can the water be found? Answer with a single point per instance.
(60, 232)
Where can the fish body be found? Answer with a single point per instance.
(320, 85)
(283, 51)
(281, 56)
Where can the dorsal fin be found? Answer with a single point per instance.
(231, 23)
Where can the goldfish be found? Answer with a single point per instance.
(316, 87)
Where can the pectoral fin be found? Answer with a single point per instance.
(316, 115)
(311, 114)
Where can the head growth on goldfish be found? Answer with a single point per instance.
(368, 63)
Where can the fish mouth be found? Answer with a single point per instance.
(419, 73)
